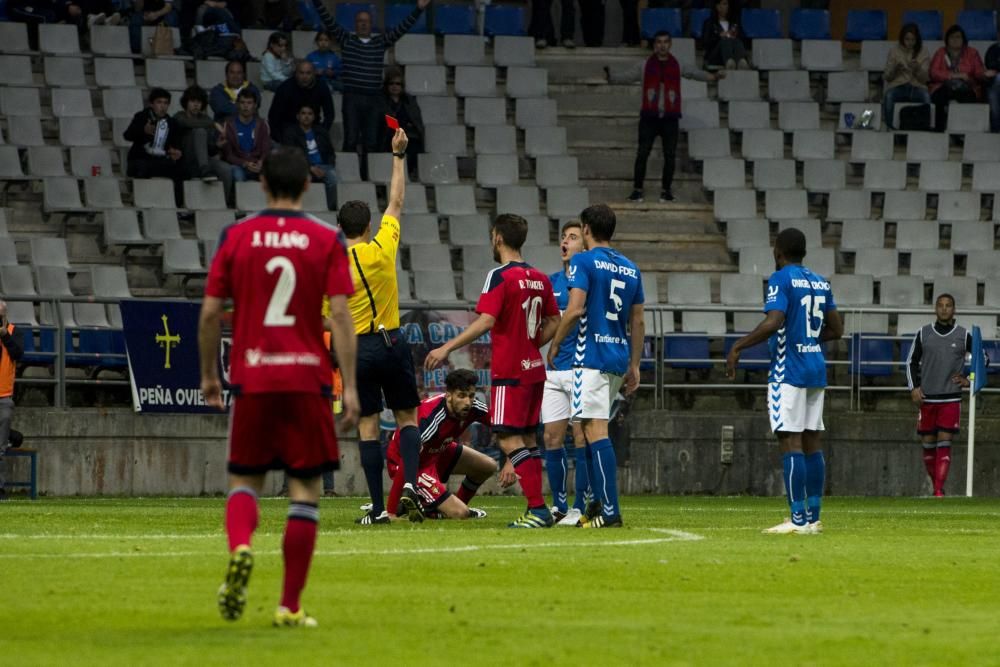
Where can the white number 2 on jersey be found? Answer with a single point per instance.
(616, 301)
(814, 310)
(277, 309)
(532, 314)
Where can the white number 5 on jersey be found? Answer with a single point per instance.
(616, 301)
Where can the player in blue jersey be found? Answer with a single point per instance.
(800, 315)
(605, 300)
(557, 399)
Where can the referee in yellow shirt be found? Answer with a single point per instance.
(384, 365)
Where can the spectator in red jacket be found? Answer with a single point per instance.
(957, 74)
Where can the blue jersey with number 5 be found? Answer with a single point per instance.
(797, 356)
(613, 285)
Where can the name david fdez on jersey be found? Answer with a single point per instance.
(616, 268)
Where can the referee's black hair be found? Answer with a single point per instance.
(461, 379)
(286, 172)
(791, 243)
(601, 221)
(354, 217)
(513, 229)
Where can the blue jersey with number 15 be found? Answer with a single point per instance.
(613, 285)
(805, 297)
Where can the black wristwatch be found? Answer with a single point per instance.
(401, 156)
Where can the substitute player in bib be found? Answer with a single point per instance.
(385, 365)
(605, 302)
(557, 399)
(934, 374)
(800, 316)
(277, 267)
(443, 418)
(518, 307)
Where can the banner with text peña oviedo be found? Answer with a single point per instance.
(161, 339)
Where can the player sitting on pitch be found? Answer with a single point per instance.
(442, 419)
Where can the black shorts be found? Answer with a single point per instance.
(386, 371)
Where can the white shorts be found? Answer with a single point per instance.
(557, 396)
(795, 409)
(593, 393)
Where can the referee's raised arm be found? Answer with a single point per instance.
(397, 186)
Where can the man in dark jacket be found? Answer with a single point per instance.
(156, 143)
(303, 89)
(992, 63)
(406, 111)
(315, 143)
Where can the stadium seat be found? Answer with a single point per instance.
(866, 24)
(536, 112)
(981, 147)
(771, 175)
(813, 145)
(940, 176)
(121, 227)
(455, 199)
(932, 263)
(416, 199)
(719, 173)
(249, 196)
(90, 315)
(549, 140)
(689, 288)
(701, 114)
(495, 170)
(160, 224)
(691, 89)
(882, 175)
(740, 85)
(10, 163)
(59, 39)
(709, 143)
(927, 20)
(871, 357)
(711, 323)
(455, 19)
(182, 257)
(901, 290)
(873, 146)
(556, 171)
(652, 21)
(740, 288)
(426, 80)
(102, 193)
(20, 101)
(438, 110)
(982, 263)
(964, 289)
(207, 73)
(434, 286)
(985, 178)
(61, 194)
(114, 73)
(902, 205)
(434, 168)
(158, 192)
(519, 199)
(48, 251)
(396, 13)
(566, 202)
(734, 204)
(430, 258)
(926, 146)
(857, 234)
(464, 50)
(793, 116)
(17, 281)
(16, 71)
(62, 71)
(485, 111)
(478, 258)
(969, 236)
(527, 82)
(121, 102)
(853, 290)
(788, 86)
(757, 261)
(348, 168)
(957, 206)
(166, 73)
(380, 168)
(256, 40)
(469, 230)
(475, 81)
(472, 285)
(79, 132)
(874, 54)
(314, 200)
(446, 140)
(509, 51)
(745, 115)
(421, 229)
(773, 54)
(822, 55)
(695, 348)
(917, 235)
(504, 20)
(696, 21)
(849, 205)
(208, 225)
(69, 102)
(43, 161)
(824, 175)
(747, 234)
(684, 50)
(496, 140)
(415, 49)
(851, 86)
(761, 23)
(809, 24)
(966, 118)
(876, 261)
(109, 40)
(14, 37)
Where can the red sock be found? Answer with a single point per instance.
(529, 469)
(468, 490)
(930, 456)
(241, 516)
(942, 463)
(298, 545)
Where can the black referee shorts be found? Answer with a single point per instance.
(386, 371)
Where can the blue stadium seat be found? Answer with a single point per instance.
(762, 23)
(345, 12)
(756, 358)
(686, 347)
(42, 352)
(809, 24)
(97, 341)
(395, 13)
(864, 350)
(979, 24)
(455, 20)
(654, 20)
(504, 20)
(696, 21)
(928, 20)
(992, 348)
(310, 17)
(866, 24)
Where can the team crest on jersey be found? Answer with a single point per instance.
(772, 293)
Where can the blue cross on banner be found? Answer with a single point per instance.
(978, 375)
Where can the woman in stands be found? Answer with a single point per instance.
(907, 70)
(956, 74)
(722, 40)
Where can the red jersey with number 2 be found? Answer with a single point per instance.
(519, 296)
(277, 266)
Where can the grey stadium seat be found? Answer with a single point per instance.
(824, 175)
(114, 73)
(519, 199)
(61, 194)
(485, 111)
(208, 225)
(691, 89)
(882, 175)
(434, 286)
(161, 224)
(968, 236)
(983, 263)
(706, 143)
(902, 205)
(20, 101)
(207, 73)
(786, 204)
(121, 102)
(496, 140)
(468, 230)
(940, 176)
(536, 112)
(455, 199)
(156, 193)
(821, 55)
(109, 40)
(955, 206)
(813, 145)
(416, 199)
(876, 261)
(869, 323)
(509, 51)
(700, 114)
(739, 85)
(25, 131)
(464, 50)
(472, 285)
(741, 288)
(689, 288)
(724, 173)
(17, 280)
(791, 86)
(757, 261)
(810, 228)
(72, 102)
(8, 252)
(437, 110)
(855, 290)
(102, 192)
(348, 168)
(60, 39)
(917, 235)
(555, 171)
(249, 196)
(121, 227)
(61, 71)
(851, 86)
(495, 170)
(256, 40)
(53, 281)
(932, 263)
(793, 116)
(430, 258)
(713, 324)
(773, 54)
(182, 257)
(964, 118)
(44, 161)
(91, 315)
(380, 168)
(421, 229)
(547, 141)
(857, 234)
(403, 285)
(926, 146)
(735, 204)
(773, 175)
(447, 140)
(527, 82)
(475, 81)
(413, 49)
(14, 37)
(16, 71)
(983, 147)
(165, 73)
(747, 234)
(79, 132)
(10, 163)
(901, 290)
(985, 178)
(874, 54)
(426, 80)
(478, 258)
(746, 114)
(46, 251)
(434, 169)
(566, 202)
(872, 146)
(355, 191)
(761, 144)
(964, 289)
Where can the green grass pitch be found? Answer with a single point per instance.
(687, 581)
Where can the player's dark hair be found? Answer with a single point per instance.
(945, 295)
(570, 225)
(461, 379)
(286, 171)
(158, 94)
(513, 229)
(354, 218)
(196, 93)
(791, 243)
(601, 221)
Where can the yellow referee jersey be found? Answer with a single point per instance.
(373, 268)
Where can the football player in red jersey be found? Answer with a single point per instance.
(277, 267)
(518, 308)
(443, 418)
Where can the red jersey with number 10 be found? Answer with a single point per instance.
(519, 297)
(277, 266)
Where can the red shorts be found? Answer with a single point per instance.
(293, 432)
(516, 408)
(936, 417)
(432, 478)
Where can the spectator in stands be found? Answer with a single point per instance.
(592, 22)
(11, 349)
(86, 13)
(541, 27)
(149, 12)
(630, 22)
(316, 144)
(276, 14)
(722, 39)
(363, 54)
(196, 130)
(993, 91)
(243, 143)
(956, 74)
(403, 108)
(302, 89)
(907, 70)
(156, 148)
(36, 12)
(223, 96)
(661, 111)
(276, 65)
(214, 15)
(326, 62)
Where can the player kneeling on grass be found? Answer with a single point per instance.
(442, 419)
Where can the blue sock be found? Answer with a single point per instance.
(591, 494)
(555, 467)
(605, 476)
(794, 464)
(815, 479)
(582, 479)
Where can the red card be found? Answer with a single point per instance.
(391, 122)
